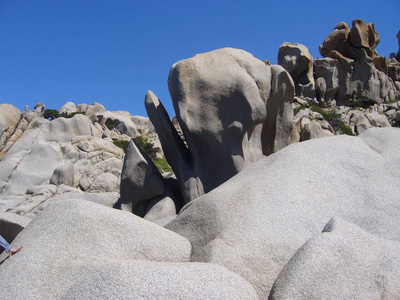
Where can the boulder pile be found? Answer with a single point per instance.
(284, 183)
(46, 153)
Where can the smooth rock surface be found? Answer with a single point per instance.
(151, 280)
(255, 222)
(71, 236)
(343, 262)
(222, 101)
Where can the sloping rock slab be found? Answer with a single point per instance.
(154, 280)
(70, 236)
(344, 262)
(256, 221)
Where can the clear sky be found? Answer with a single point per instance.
(113, 51)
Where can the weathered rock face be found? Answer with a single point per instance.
(71, 237)
(72, 154)
(349, 42)
(344, 262)
(326, 69)
(223, 104)
(297, 60)
(289, 197)
(363, 75)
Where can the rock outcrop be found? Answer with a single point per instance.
(344, 262)
(363, 75)
(297, 60)
(71, 238)
(255, 222)
(227, 106)
(74, 152)
(250, 206)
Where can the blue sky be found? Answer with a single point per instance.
(112, 52)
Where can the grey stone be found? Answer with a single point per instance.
(63, 174)
(221, 99)
(313, 130)
(255, 222)
(157, 280)
(277, 127)
(377, 120)
(71, 236)
(68, 108)
(297, 60)
(344, 262)
(326, 68)
(140, 180)
(106, 182)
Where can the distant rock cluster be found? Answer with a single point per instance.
(352, 82)
(41, 160)
(284, 183)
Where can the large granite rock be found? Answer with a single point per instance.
(349, 42)
(255, 222)
(33, 159)
(297, 60)
(64, 151)
(326, 68)
(221, 99)
(151, 280)
(344, 262)
(70, 237)
(363, 75)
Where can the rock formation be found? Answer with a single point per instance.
(344, 262)
(252, 229)
(254, 223)
(41, 159)
(232, 108)
(297, 60)
(362, 77)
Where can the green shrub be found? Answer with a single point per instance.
(68, 116)
(328, 115)
(297, 109)
(147, 147)
(162, 164)
(51, 114)
(110, 126)
(122, 144)
(345, 129)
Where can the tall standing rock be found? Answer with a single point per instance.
(222, 100)
(326, 68)
(140, 180)
(398, 41)
(297, 60)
